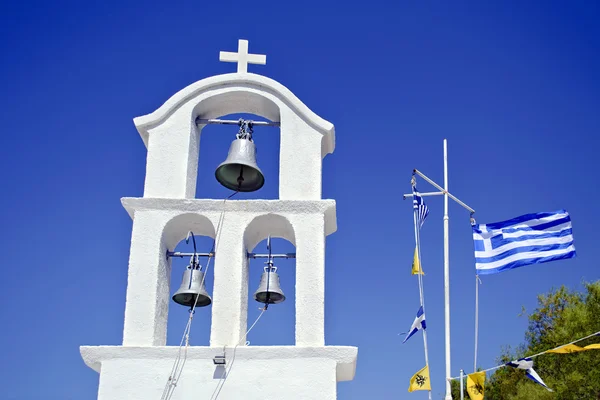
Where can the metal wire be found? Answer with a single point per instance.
(226, 372)
(178, 365)
(538, 354)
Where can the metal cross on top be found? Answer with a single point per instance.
(242, 57)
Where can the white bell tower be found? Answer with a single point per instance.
(309, 370)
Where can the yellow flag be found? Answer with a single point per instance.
(416, 265)
(569, 348)
(475, 385)
(420, 380)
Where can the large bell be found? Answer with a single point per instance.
(239, 171)
(269, 291)
(192, 288)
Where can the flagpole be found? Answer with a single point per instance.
(477, 282)
(421, 294)
(462, 393)
(418, 246)
(446, 194)
(447, 273)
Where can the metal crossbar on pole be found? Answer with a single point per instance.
(444, 191)
(423, 194)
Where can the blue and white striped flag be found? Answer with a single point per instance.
(420, 206)
(527, 365)
(418, 324)
(525, 240)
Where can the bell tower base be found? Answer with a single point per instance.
(249, 373)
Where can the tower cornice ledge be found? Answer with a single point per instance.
(327, 207)
(231, 81)
(344, 356)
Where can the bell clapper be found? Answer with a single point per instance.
(240, 178)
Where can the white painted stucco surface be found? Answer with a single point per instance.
(161, 219)
(173, 139)
(159, 224)
(261, 372)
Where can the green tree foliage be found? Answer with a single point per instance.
(561, 317)
(455, 385)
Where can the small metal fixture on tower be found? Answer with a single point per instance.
(219, 360)
(269, 290)
(239, 171)
(192, 290)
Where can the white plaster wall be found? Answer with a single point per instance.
(261, 372)
(172, 159)
(173, 139)
(148, 282)
(230, 286)
(300, 159)
(159, 224)
(248, 380)
(310, 279)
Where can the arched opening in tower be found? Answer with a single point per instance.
(215, 143)
(190, 286)
(277, 325)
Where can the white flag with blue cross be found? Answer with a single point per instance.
(527, 365)
(418, 324)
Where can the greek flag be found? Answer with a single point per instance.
(527, 365)
(525, 240)
(418, 323)
(420, 206)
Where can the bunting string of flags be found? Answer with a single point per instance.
(475, 381)
(572, 348)
(421, 380)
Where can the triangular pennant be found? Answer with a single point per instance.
(475, 385)
(416, 265)
(420, 380)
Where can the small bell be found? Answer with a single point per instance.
(269, 291)
(192, 288)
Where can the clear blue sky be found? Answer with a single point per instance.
(514, 87)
